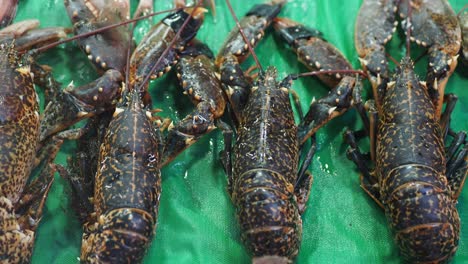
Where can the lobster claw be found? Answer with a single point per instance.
(74, 104)
(104, 49)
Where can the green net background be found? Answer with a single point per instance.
(197, 221)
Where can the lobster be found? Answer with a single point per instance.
(25, 132)
(415, 180)
(265, 183)
(128, 182)
(142, 214)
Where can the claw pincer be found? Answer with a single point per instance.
(105, 50)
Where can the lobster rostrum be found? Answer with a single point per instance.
(265, 183)
(416, 180)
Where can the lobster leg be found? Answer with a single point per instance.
(305, 179)
(368, 114)
(457, 163)
(369, 182)
(32, 201)
(444, 121)
(44, 79)
(81, 190)
(373, 122)
(458, 140)
(357, 98)
(302, 191)
(456, 153)
(338, 101)
(297, 103)
(226, 156)
(82, 167)
(33, 197)
(24, 219)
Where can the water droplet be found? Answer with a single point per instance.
(151, 158)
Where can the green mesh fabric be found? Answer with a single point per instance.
(197, 220)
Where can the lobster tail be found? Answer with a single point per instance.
(270, 222)
(422, 214)
(430, 243)
(128, 228)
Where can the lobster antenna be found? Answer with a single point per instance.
(156, 65)
(392, 59)
(463, 9)
(408, 29)
(314, 73)
(241, 31)
(87, 34)
(129, 51)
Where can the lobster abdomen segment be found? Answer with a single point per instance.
(421, 213)
(125, 228)
(268, 213)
